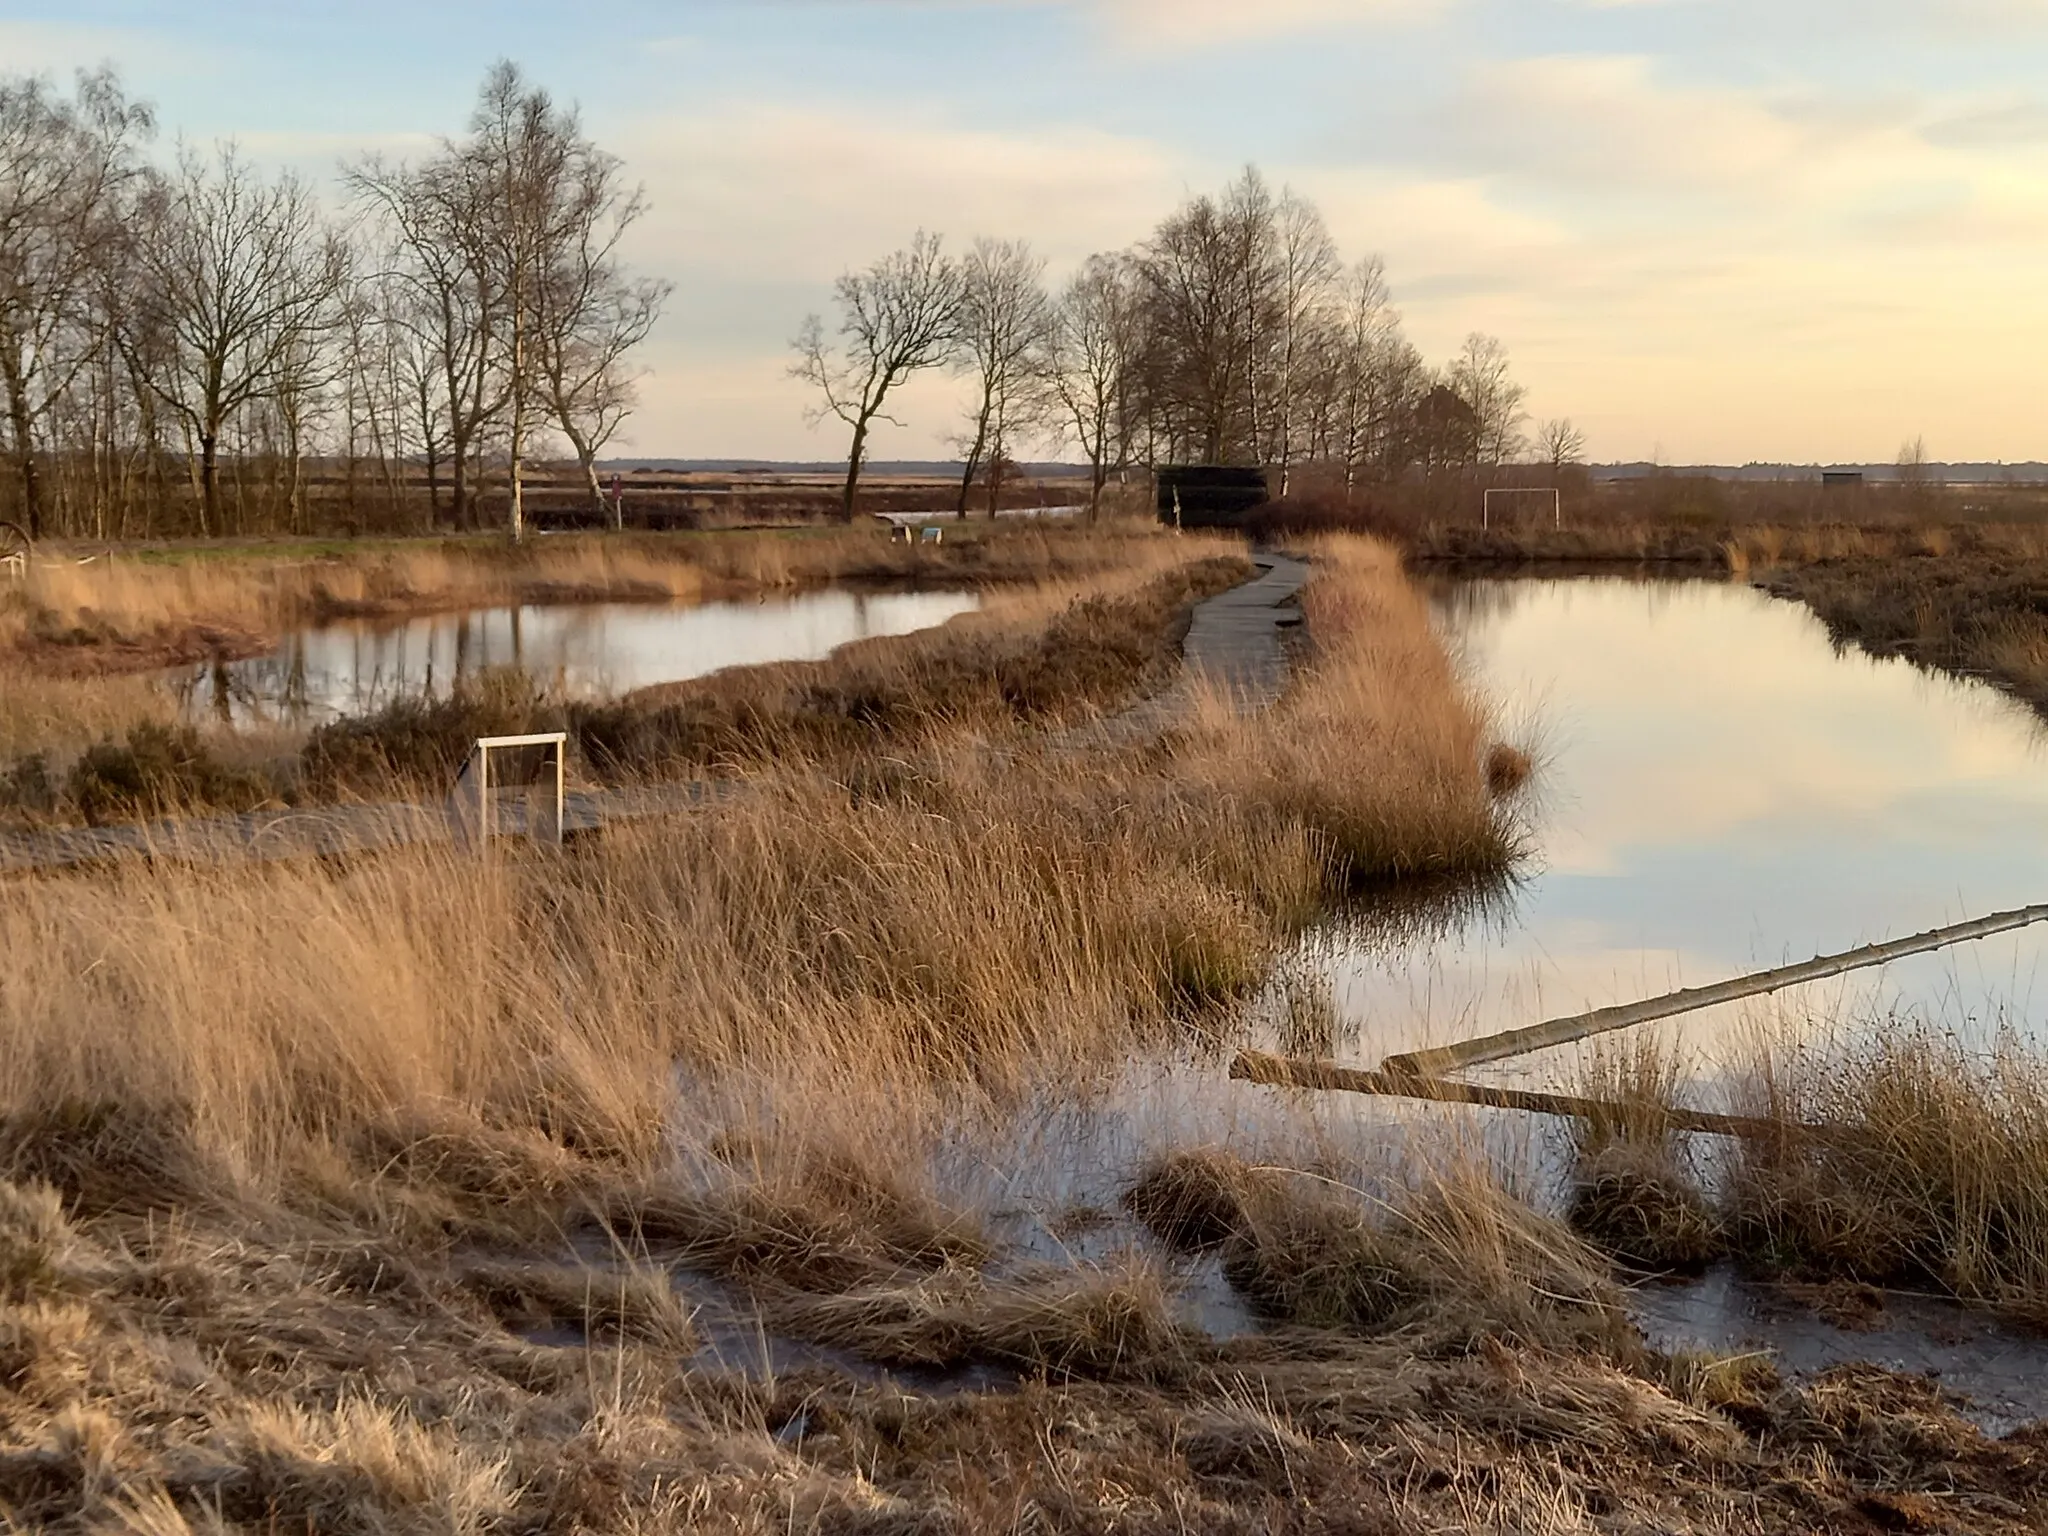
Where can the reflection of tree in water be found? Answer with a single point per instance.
(1300, 1002)
(1461, 602)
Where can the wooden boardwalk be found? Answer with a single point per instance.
(1233, 646)
(1233, 642)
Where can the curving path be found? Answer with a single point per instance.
(1233, 642)
(1233, 645)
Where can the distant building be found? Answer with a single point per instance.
(1842, 479)
(1209, 495)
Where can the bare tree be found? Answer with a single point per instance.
(63, 166)
(1091, 351)
(1480, 376)
(1305, 268)
(1371, 367)
(1562, 445)
(1193, 294)
(591, 314)
(519, 168)
(1913, 463)
(238, 273)
(898, 318)
(452, 300)
(1004, 317)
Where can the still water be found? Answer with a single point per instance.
(1723, 791)
(1720, 790)
(581, 651)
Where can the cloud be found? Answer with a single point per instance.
(756, 192)
(757, 207)
(2016, 124)
(1613, 123)
(58, 48)
(1196, 24)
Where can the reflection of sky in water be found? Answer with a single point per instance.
(345, 669)
(1724, 792)
(1721, 792)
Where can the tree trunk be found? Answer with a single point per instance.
(586, 461)
(518, 516)
(458, 475)
(209, 482)
(853, 460)
(973, 458)
(24, 440)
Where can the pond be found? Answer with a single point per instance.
(1720, 791)
(1723, 791)
(589, 650)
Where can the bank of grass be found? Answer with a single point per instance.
(1900, 1157)
(1955, 582)
(1036, 652)
(125, 613)
(338, 1197)
(1969, 607)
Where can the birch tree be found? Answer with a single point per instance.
(1004, 317)
(238, 273)
(1091, 353)
(63, 168)
(898, 318)
(591, 313)
(1305, 269)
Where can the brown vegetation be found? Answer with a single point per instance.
(157, 607)
(345, 1196)
(1900, 1157)
(1081, 622)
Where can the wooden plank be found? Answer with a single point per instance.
(1580, 1026)
(1289, 1072)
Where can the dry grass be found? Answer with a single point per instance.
(58, 717)
(1446, 1255)
(1383, 756)
(1034, 651)
(982, 916)
(1902, 1157)
(146, 611)
(1933, 1167)
(290, 1147)
(1634, 1191)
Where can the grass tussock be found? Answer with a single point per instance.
(1114, 1321)
(1448, 1255)
(1902, 1157)
(638, 1303)
(1932, 1166)
(1634, 1192)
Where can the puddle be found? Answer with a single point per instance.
(588, 650)
(2001, 1376)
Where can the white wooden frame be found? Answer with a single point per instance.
(1556, 501)
(476, 775)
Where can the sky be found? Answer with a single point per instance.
(1706, 230)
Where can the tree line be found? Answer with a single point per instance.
(186, 347)
(1235, 333)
